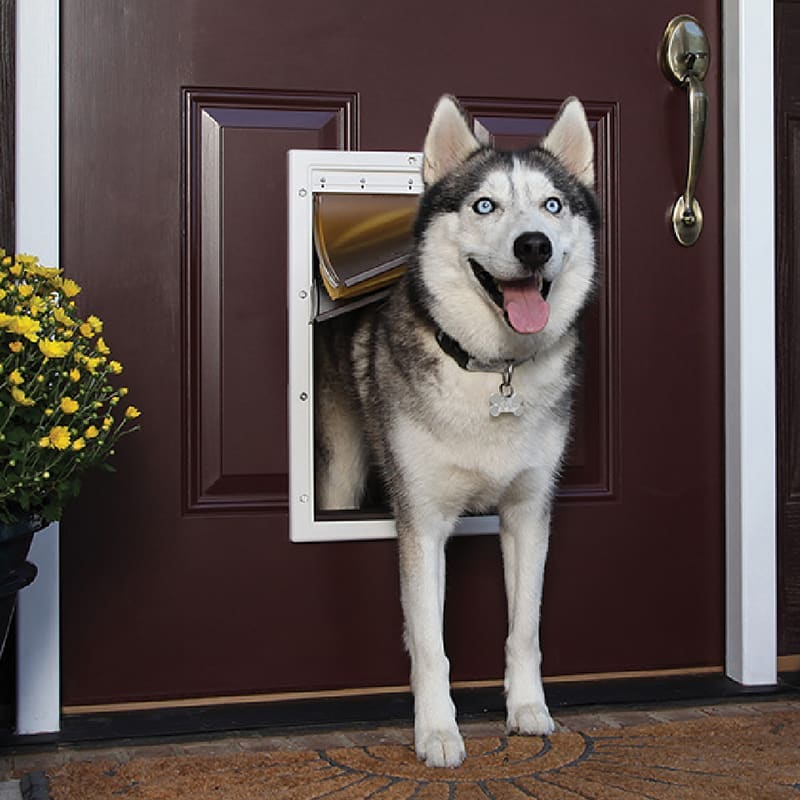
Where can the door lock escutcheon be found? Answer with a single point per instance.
(684, 56)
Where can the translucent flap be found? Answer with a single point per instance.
(363, 241)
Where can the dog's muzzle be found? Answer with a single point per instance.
(523, 301)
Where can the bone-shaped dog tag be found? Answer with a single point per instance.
(505, 404)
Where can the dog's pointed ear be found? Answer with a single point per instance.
(570, 141)
(449, 140)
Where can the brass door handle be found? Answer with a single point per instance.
(684, 58)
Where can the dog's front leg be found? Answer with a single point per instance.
(422, 570)
(524, 535)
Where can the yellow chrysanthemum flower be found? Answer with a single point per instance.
(60, 437)
(78, 444)
(69, 287)
(24, 326)
(54, 349)
(91, 432)
(15, 347)
(44, 441)
(131, 412)
(86, 330)
(25, 290)
(102, 347)
(37, 305)
(96, 323)
(20, 397)
(92, 364)
(107, 423)
(16, 378)
(123, 391)
(16, 270)
(115, 367)
(68, 405)
(62, 318)
(2, 293)
(74, 374)
(43, 272)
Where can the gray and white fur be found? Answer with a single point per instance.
(504, 262)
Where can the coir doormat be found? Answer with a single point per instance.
(755, 757)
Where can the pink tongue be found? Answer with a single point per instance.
(527, 310)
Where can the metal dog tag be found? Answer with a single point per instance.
(505, 400)
(505, 404)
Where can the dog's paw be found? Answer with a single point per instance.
(442, 748)
(530, 720)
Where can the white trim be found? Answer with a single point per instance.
(749, 286)
(37, 232)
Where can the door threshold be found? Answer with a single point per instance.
(364, 691)
(388, 706)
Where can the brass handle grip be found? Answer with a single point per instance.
(684, 58)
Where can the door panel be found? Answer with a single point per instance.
(234, 257)
(178, 575)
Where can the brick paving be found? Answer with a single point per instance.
(21, 763)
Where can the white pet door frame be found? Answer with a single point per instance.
(314, 172)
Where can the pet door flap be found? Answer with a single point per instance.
(363, 241)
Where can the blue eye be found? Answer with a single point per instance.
(552, 204)
(484, 206)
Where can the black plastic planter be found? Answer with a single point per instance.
(15, 572)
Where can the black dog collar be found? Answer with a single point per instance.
(464, 360)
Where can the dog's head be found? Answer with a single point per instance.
(506, 240)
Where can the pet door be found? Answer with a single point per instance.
(350, 220)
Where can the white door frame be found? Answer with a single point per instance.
(37, 232)
(751, 588)
(749, 287)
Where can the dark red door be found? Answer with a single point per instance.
(179, 579)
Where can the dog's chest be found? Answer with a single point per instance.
(453, 424)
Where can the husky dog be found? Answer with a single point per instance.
(458, 388)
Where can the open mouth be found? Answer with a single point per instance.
(523, 302)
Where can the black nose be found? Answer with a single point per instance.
(533, 249)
